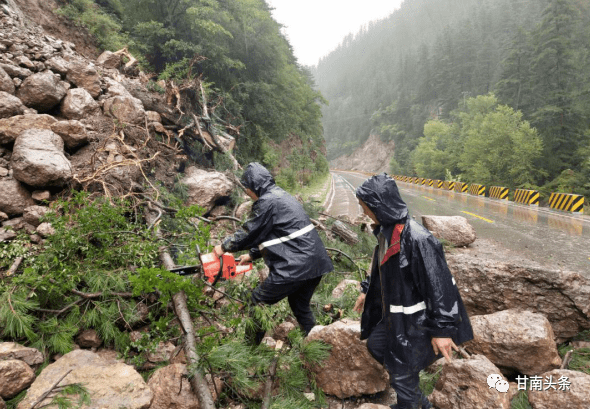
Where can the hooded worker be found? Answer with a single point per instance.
(412, 310)
(280, 231)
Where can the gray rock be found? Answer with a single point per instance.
(38, 159)
(15, 71)
(520, 341)
(58, 65)
(109, 59)
(204, 187)
(84, 76)
(126, 109)
(72, 132)
(42, 91)
(577, 395)
(7, 235)
(79, 104)
(14, 198)
(33, 214)
(10, 105)
(45, 230)
(110, 384)
(455, 229)
(41, 195)
(11, 128)
(350, 370)
(16, 376)
(6, 83)
(89, 339)
(12, 350)
(343, 285)
(488, 286)
(463, 385)
(25, 62)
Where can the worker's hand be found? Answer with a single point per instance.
(444, 346)
(244, 258)
(360, 303)
(218, 250)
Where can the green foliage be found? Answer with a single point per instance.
(63, 399)
(104, 27)
(73, 282)
(428, 380)
(520, 401)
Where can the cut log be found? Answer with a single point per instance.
(197, 381)
(347, 235)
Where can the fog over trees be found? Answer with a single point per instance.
(427, 63)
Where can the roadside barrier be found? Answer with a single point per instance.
(429, 182)
(530, 197)
(448, 185)
(438, 184)
(499, 192)
(567, 202)
(461, 187)
(477, 190)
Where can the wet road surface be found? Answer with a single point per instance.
(549, 237)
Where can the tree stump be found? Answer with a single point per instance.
(345, 234)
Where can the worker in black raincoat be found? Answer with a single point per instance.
(412, 310)
(280, 231)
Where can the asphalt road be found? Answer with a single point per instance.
(549, 237)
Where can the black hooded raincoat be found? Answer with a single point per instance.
(411, 287)
(280, 231)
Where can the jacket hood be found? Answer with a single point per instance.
(257, 178)
(381, 195)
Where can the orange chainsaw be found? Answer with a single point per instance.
(215, 268)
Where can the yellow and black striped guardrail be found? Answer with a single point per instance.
(567, 202)
(525, 196)
(461, 187)
(429, 182)
(448, 185)
(438, 184)
(499, 192)
(477, 190)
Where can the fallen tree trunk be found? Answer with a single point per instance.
(347, 235)
(197, 381)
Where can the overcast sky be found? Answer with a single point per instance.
(316, 27)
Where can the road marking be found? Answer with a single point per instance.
(479, 217)
(429, 198)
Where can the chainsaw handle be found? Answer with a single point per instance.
(220, 273)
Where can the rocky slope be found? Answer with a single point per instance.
(372, 157)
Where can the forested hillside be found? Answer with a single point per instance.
(429, 61)
(246, 63)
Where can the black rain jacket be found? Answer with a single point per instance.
(280, 231)
(413, 291)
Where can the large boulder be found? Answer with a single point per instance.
(14, 198)
(109, 59)
(58, 65)
(126, 109)
(42, 91)
(79, 104)
(15, 71)
(204, 187)
(563, 389)
(110, 384)
(463, 385)
(350, 370)
(12, 350)
(72, 132)
(84, 76)
(516, 340)
(6, 83)
(11, 128)
(16, 376)
(339, 290)
(489, 286)
(38, 159)
(172, 389)
(454, 229)
(10, 105)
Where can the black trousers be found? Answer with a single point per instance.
(407, 385)
(298, 293)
